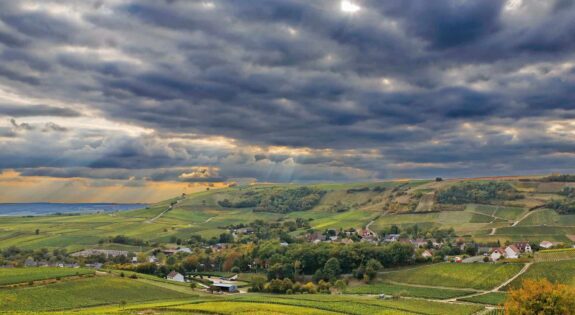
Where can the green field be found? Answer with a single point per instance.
(404, 290)
(492, 298)
(24, 275)
(83, 293)
(474, 276)
(554, 271)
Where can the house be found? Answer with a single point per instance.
(457, 259)
(226, 287)
(419, 243)
(153, 259)
(184, 250)
(29, 262)
(284, 244)
(175, 276)
(96, 265)
(315, 237)
(391, 238)
(96, 252)
(524, 247)
(169, 252)
(496, 254)
(546, 244)
(511, 252)
(483, 250)
(426, 254)
(346, 241)
(134, 260)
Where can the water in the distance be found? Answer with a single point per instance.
(26, 209)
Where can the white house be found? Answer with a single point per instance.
(175, 276)
(153, 259)
(184, 250)
(511, 252)
(545, 244)
(496, 254)
(426, 254)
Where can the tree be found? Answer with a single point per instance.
(541, 297)
(332, 269)
(37, 231)
(123, 303)
(258, 283)
(340, 285)
(371, 269)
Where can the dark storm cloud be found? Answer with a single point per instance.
(36, 110)
(400, 88)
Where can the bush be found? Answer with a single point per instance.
(541, 297)
(473, 192)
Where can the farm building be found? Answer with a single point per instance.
(226, 287)
(175, 276)
(546, 244)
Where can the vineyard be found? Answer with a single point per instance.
(492, 298)
(475, 276)
(555, 271)
(82, 293)
(24, 275)
(555, 255)
(405, 290)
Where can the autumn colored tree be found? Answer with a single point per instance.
(541, 297)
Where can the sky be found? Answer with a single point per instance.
(140, 100)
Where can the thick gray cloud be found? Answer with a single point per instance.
(399, 88)
(36, 110)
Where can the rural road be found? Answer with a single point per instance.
(163, 212)
(523, 217)
(368, 225)
(522, 271)
(493, 230)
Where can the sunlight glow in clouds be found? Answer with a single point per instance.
(349, 7)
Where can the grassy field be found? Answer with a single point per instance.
(554, 271)
(83, 293)
(404, 290)
(474, 276)
(492, 298)
(23, 275)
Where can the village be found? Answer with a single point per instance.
(174, 262)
